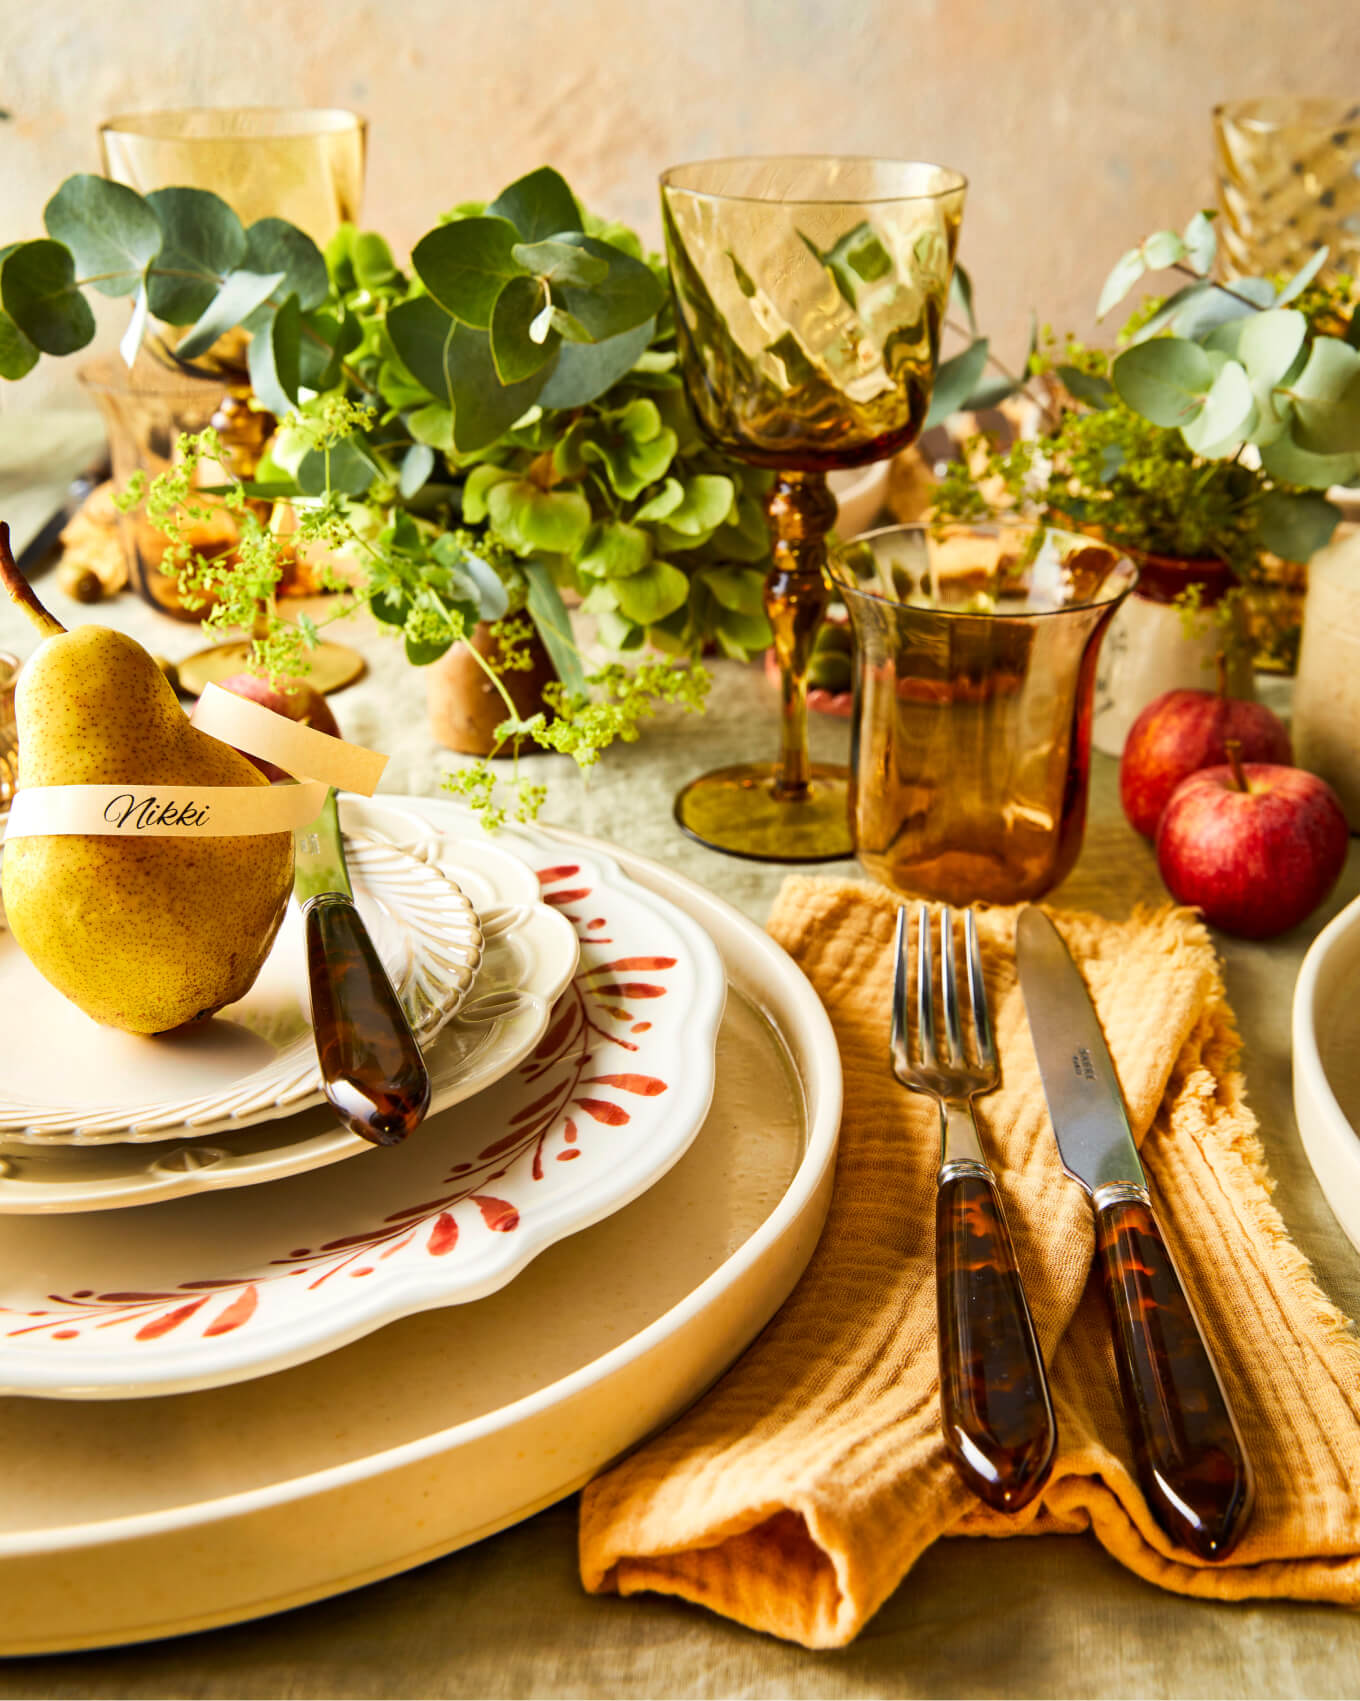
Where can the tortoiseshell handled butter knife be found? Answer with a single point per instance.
(371, 1067)
(1191, 1462)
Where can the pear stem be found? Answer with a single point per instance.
(21, 591)
(1234, 748)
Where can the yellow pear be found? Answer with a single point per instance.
(142, 934)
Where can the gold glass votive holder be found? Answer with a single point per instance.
(975, 653)
(1288, 183)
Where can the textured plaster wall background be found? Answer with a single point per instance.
(1082, 124)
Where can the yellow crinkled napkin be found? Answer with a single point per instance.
(799, 1492)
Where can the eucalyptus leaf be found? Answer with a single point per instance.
(550, 616)
(538, 205)
(371, 258)
(327, 339)
(237, 299)
(40, 294)
(561, 263)
(1303, 277)
(466, 265)
(274, 245)
(584, 371)
(18, 356)
(493, 600)
(1326, 397)
(955, 381)
(1165, 380)
(422, 333)
(204, 241)
(1228, 414)
(961, 294)
(130, 342)
(658, 590)
(345, 467)
(416, 466)
(1200, 242)
(1286, 462)
(1268, 344)
(991, 392)
(274, 359)
(628, 295)
(113, 234)
(1168, 315)
(1088, 387)
(514, 348)
(483, 407)
(1296, 525)
(1163, 248)
(1127, 271)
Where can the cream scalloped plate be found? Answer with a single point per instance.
(1327, 1067)
(200, 1292)
(423, 912)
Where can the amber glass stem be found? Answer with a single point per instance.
(801, 510)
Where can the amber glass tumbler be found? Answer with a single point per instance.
(975, 653)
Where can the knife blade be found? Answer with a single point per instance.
(1191, 1461)
(372, 1071)
(35, 553)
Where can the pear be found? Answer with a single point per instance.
(141, 934)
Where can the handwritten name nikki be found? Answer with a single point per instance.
(141, 813)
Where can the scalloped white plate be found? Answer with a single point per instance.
(205, 1291)
(528, 954)
(1327, 1067)
(66, 1080)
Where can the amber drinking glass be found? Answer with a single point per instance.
(809, 299)
(1288, 183)
(975, 657)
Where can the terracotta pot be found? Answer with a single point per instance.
(466, 708)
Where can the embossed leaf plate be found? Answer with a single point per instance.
(217, 1288)
(422, 909)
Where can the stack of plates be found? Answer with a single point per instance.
(177, 1219)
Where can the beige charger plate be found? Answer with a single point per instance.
(155, 1517)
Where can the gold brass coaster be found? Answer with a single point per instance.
(333, 666)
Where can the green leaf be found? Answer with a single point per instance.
(534, 521)
(416, 466)
(633, 446)
(515, 349)
(613, 550)
(421, 332)
(476, 487)
(274, 245)
(658, 590)
(538, 205)
(1200, 242)
(1228, 414)
(327, 339)
(991, 392)
(131, 340)
(961, 295)
(41, 296)
(112, 233)
(371, 258)
(1295, 526)
(708, 500)
(432, 425)
(237, 299)
(1127, 271)
(1163, 248)
(1165, 380)
(345, 466)
(1286, 462)
(554, 625)
(585, 371)
(561, 263)
(204, 240)
(740, 589)
(1088, 387)
(854, 258)
(664, 503)
(1327, 399)
(274, 359)
(1168, 314)
(1353, 329)
(454, 364)
(742, 635)
(18, 356)
(1268, 344)
(493, 600)
(628, 295)
(955, 382)
(1303, 277)
(466, 265)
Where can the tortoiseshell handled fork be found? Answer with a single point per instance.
(994, 1400)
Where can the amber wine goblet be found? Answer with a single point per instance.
(809, 295)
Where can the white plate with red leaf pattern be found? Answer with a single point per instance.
(202, 1291)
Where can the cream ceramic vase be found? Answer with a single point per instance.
(1326, 725)
(1154, 646)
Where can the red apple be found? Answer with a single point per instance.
(1255, 846)
(291, 697)
(1183, 731)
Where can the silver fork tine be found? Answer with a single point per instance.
(949, 991)
(900, 1050)
(977, 995)
(925, 988)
